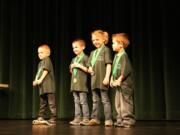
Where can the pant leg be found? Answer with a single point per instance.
(96, 105)
(52, 105)
(106, 104)
(84, 104)
(43, 105)
(127, 108)
(77, 105)
(118, 105)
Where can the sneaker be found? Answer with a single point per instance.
(128, 125)
(94, 122)
(76, 121)
(40, 119)
(52, 121)
(85, 122)
(108, 123)
(118, 124)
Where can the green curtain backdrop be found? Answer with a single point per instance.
(151, 24)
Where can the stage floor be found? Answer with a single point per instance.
(25, 127)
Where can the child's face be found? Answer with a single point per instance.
(116, 46)
(97, 40)
(77, 48)
(42, 53)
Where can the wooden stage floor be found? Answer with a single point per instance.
(24, 127)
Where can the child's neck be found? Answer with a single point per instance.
(121, 50)
(100, 46)
(79, 54)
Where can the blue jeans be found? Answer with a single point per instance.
(80, 101)
(98, 94)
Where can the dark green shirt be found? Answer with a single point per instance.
(124, 68)
(99, 68)
(48, 83)
(81, 77)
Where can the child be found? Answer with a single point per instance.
(78, 68)
(45, 80)
(100, 68)
(122, 81)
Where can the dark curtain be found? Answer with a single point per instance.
(151, 24)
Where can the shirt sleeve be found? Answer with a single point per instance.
(108, 56)
(86, 61)
(89, 60)
(125, 66)
(47, 65)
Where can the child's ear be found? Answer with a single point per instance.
(48, 54)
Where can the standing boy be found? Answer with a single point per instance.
(122, 82)
(78, 69)
(100, 69)
(45, 80)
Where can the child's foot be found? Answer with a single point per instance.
(108, 123)
(52, 122)
(128, 125)
(85, 122)
(118, 124)
(76, 121)
(40, 119)
(94, 122)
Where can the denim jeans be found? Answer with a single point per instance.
(80, 101)
(98, 94)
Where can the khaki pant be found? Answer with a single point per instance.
(124, 107)
(45, 101)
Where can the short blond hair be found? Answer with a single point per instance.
(46, 48)
(81, 41)
(122, 38)
(104, 34)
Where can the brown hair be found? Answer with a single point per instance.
(81, 41)
(121, 38)
(103, 33)
(46, 47)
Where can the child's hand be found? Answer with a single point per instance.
(34, 83)
(111, 82)
(106, 81)
(90, 70)
(117, 83)
(72, 66)
(77, 65)
(37, 82)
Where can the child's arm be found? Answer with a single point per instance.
(83, 68)
(125, 70)
(39, 81)
(111, 82)
(108, 73)
(119, 80)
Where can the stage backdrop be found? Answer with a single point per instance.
(151, 24)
